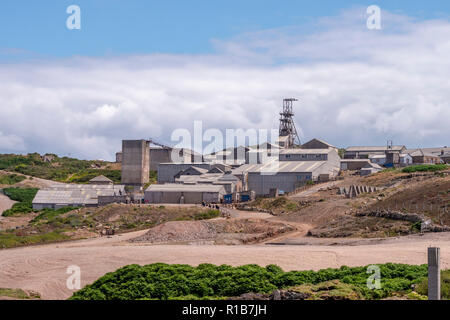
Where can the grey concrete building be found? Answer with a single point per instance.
(353, 164)
(287, 176)
(317, 144)
(183, 193)
(135, 162)
(363, 152)
(168, 171)
(75, 195)
(176, 155)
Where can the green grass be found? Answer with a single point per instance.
(24, 196)
(422, 288)
(50, 215)
(18, 294)
(11, 179)
(425, 167)
(10, 239)
(164, 281)
(60, 169)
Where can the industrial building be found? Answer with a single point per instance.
(168, 171)
(421, 156)
(215, 176)
(286, 176)
(367, 151)
(77, 195)
(182, 193)
(353, 164)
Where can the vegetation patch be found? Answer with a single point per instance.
(164, 281)
(18, 294)
(11, 179)
(16, 239)
(422, 287)
(24, 196)
(63, 169)
(425, 168)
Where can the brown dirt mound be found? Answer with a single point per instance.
(216, 232)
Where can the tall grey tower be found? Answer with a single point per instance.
(288, 135)
(135, 162)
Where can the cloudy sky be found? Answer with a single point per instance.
(80, 92)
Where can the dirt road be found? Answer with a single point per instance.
(43, 268)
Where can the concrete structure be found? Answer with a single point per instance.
(118, 157)
(168, 171)
(172, 155)
(379, 159)
(135, 162)
(75, 195)
(215, 176)
(423, 157)
(101, 180)
(308, 155)
(434, 274)
(445, 157)
(353, 164)
(370, 168)
(318, 144)
(405, 159)
(363, 152)
(181, 193)
(287, 176)
(438, 151)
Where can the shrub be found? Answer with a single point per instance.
(425, 167)
(164, 281)
(11, 179)
(25, 197)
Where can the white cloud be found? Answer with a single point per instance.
(357, 86)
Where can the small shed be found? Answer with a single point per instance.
(101, 180)
(370, 168)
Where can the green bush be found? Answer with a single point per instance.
(163, 281)
(425, 167)
(24, 196)
(11, 179)
(207, 215)
(422, 287)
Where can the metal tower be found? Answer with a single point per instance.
(287, 126)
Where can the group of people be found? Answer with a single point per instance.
(210, 205)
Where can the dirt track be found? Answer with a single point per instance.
(43, 268)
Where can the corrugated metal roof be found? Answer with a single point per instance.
(176, 187)
(373, 148)
(305, 151)
(289, 166)
(100, 178)
(76, 194)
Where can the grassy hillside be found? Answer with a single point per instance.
(59, 169)
(164, 281)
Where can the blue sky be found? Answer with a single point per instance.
(140, 69)
(115, 27)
